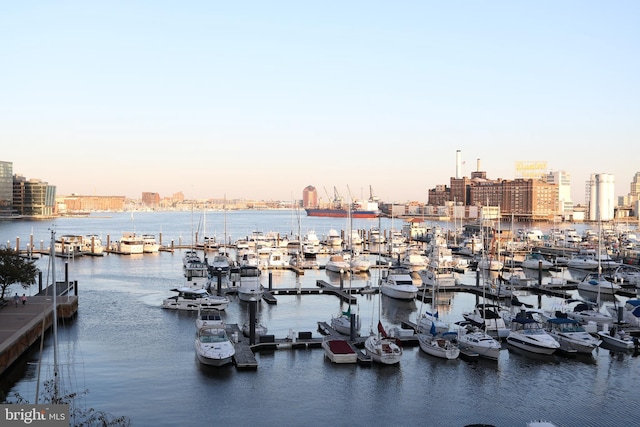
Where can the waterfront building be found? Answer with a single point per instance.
(6, 188)
(601, 197)
(33, 197)
(563, 180)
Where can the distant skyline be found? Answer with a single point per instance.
(257, 100)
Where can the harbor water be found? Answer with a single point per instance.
(137, 360)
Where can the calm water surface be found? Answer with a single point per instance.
(138, 360)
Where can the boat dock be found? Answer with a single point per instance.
(21, 327)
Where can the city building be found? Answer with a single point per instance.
(601, 197)
(6, 189)
(33, 198)
(310, 197)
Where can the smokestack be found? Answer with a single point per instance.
(478, 167)
(458, 164)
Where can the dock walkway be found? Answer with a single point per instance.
(22, 326)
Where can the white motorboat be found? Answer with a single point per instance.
(196, 273)
(213, 346)
(442, 346)
(220, 264)
(628, 313)
(487, 317)
(339, 351)
(250, 286)
(490, 264)
(414, 260)
(130, 244)
(477, 341)
(342, 323)
(627, 274)
(149, 244)
(69, 246)
(582, 262)
(333, 239)
(383, 349)
(92, 245)
(617, 338)
(529, 335)
(190, 255)
(337, 264)
(571, 335)
(398, 284)
(194, 299)
(535, 261)
(439, 276)
(357, 263)
(208, 317)
(585, 312)
(597, 284)
(259, 329)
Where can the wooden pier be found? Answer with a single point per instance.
(22, 326)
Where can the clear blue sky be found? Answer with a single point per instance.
(258, 99)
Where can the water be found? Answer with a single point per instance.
(137, 360)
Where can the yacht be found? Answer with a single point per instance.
(250, 287)
(213, 346)
(529, 335)
(571, 335)
(130, 244)
(149, 244)
(398, 284)
(190, 299)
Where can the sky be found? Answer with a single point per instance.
(259, 99)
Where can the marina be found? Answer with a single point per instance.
(141, 342)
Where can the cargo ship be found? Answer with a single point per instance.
(342, 213)
(339, 209)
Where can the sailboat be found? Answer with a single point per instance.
(434, 336)
(380, 347)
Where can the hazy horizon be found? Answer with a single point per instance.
(257, 100)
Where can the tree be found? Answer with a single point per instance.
(15, 269)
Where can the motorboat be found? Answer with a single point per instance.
(194, 299)
(342, 323)
(250, 287)
(333, 239)
(276, 258)
(220, 264)
(535, 261)
(382, 348)
(208, 317)
(339, 351)
(571, 335)
(130, 244)
(487, 317)
(92, 245)
(628, 313)
(439, 276)
(617, 338)
(398, 284)
(490, 264)
(190, 255)
(597, 284)
(213, 346)
(357, 263)
(582, 262)
(259, 329)
(442, 346)
(196, 273)
(529, 335)
(475, 340)
(414, 260)
(149, 244)
(337, 264)
(69, 246)
(585, 312)
(627, 274)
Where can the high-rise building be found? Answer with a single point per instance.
(563, 180)
(310, 197)
(601, 197)
(6, 188)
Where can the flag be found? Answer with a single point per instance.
(348, 312)
(436, 315)
(381, 329)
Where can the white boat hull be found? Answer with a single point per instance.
(383, 350)
(339, 351)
